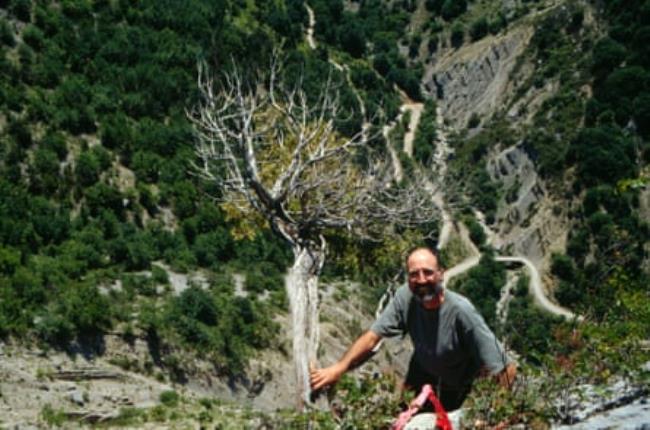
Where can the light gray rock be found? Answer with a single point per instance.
(77, 398)
(619, 405)
(474, 79)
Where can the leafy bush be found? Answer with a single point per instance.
(562, 267)
(425, 136)
(478, 29)
(603, 155)
(452, 8)
(169, 398)
(473, 121)
(482, 285)
(457, 35)
(216, 322)
(264, 277)
(476, 233)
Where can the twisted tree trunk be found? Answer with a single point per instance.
(302, 290)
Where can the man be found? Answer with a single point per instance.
(452, 343)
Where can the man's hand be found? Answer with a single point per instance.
(320, 378)
(506, 377)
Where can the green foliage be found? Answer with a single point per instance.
(484, 193)
(55, 141)
(562, 267)
(473, 121)
(457, 34)
(355, 411)
(425, 136)
(607, 55)
(374, 23)
(225, 327)
(497, 23)
(604, 155)
(482, 285)
(527, 327)
(476, 233)
(80, 311)
(452, 8)
(6, 33)
(90, 164)
(479, 29)
(264, 277)
(21, 9)
(548, 152)
(434, 6)
(432, 44)
(44, 171)
(169, 398)
(53, 417)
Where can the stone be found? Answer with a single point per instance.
(77, 398)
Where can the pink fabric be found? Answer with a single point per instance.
(427, 393)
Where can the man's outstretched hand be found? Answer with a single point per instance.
(321, 378)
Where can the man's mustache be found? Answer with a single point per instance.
(428, 288)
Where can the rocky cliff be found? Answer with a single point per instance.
(475, 79)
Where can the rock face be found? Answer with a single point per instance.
(130, 373)
(88, 389)
(474, 79)
(524, 194)
(479, 79)
(620, 406)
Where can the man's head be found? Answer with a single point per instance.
(425, 277)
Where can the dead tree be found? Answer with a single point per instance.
(275, 153)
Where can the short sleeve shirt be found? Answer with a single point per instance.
(451, 343)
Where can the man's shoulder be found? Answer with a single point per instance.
(462, 309)
(403, 295)
(457, 300)
(403, 291)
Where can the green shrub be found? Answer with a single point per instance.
(264, 277)
(53, 417)
(478, 29)
(562, 267)
(159, 275)
(425, 136)
(169, 398)
(453, 8)
(21, 9)
(476, 233)
(6, 33)
(457, 35)
(473, 121)
(34, 37)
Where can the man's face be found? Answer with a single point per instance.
(425, 278)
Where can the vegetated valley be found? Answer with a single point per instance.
(133, 293)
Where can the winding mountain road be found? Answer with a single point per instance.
(441, 155)
(534, 286)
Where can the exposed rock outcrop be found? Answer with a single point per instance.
(528, 219)
(474, 78)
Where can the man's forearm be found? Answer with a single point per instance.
(359, 350)
(320, 378)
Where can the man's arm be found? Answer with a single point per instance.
(320, 378)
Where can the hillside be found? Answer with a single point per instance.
(131, 294)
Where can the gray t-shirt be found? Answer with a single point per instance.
(451, 343)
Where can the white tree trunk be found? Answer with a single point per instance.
(302, 289)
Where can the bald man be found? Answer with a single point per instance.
(452, 343)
